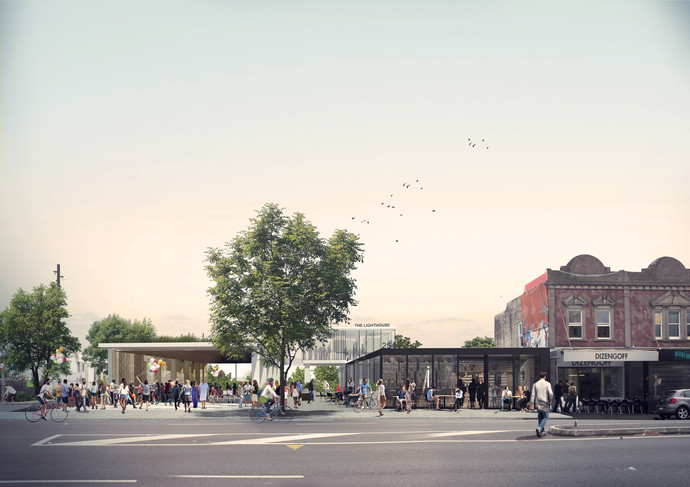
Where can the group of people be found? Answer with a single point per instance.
(519, 400)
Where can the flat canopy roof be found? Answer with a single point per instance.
(204, 352)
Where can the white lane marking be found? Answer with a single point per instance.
(130, 439)
(237, 476)
(467, 432)
(46, 440)
(68, 481)
(279, 439)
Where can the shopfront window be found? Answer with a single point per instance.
(445, 373)
(500, 376)
(394, 371)
(527, 372)
(667, 377)
(419, 370)
(612, 382)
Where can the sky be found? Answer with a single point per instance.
(136, 135)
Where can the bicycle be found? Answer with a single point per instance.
(369, 401)
(284, 414)
(33, 412)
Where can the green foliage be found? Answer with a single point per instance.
(33, 327)
(328, 373)
(221, 380)
(189, 337)
(115, 329)
(405, 342)
(278, 287)
(25, 396)
(479, 342)
(297, 375)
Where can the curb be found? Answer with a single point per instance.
(661, 430)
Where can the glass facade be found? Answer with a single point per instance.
(348, 343)
(447, 369)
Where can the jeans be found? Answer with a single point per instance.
(542, 418)
(267, 406)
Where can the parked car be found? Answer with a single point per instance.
(674, 403)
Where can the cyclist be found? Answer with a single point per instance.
(363, 391)
(45, 389)
(270, 394)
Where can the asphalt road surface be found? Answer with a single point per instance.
(401, 452)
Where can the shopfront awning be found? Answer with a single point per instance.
(203, 352)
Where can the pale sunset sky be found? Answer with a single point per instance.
(135, 135)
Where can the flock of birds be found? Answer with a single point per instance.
(390, 203)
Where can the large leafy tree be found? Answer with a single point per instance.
(278, 287)
(115, 329)
(33, 327)
(402, 341)
(479, 342)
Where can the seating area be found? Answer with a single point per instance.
(611, 406)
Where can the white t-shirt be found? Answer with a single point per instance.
(381, 390)
(44, 388)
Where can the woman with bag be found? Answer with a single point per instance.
(381, 395)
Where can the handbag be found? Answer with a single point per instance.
(542, 406)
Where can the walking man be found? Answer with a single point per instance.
(543, 395)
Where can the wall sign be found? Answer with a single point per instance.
(617, 355)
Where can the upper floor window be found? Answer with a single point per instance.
(575, 323)
(658, 323)
(603, 323)
(687, 323)
(674, 324)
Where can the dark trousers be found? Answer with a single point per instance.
(177, 401)
(556, 403)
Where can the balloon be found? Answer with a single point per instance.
(162, 363)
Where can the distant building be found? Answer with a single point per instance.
(347, 343)
(616, 334)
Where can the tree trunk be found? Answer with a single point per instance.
(281, 392)
(34, 374)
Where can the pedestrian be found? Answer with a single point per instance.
(203, 393)
(187, 396)
(255, 393)
(114, 393)
(145, 393)
(381, 395)
(9, 394)
(64, 394)
(557, 393)
(311, 391)
(482, 392)
(102, 392)
(176, 394)
(168, 392)
(409, 392)
(542, 395)
(123, 391)
(93, 393)
(472, 389)
(294, 391)
(195, 394)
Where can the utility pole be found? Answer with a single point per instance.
(57, 272)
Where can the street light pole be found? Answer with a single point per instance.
(57, 272)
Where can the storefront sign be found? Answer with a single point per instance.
(626, 355)
(680, 355)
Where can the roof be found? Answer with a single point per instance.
(204, 352)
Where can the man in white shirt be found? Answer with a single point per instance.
(45, 389)
(542, 395)
(10, 392)
(270, 394)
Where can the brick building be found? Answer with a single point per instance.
(616, 334)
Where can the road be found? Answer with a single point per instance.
(398, 451)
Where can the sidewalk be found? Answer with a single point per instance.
(560, 424)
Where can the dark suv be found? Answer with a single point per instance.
(674, 402)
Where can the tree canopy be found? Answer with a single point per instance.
(325, 373)
(405, 342)
(479, 342)
(278, 287)
(115, 329)
(32, 328)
